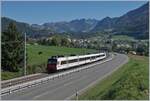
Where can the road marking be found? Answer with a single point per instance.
(93, 83)
(67, 84)
(75, 70)
(52, 91)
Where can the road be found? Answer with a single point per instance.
(64, 87)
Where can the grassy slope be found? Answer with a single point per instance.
(47, 51)
(35, 59)
(9, 75)
(128, 82)
(122, 37)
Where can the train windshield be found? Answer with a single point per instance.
(52, 61)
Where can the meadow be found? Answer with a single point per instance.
(37, 56)
(123, 37)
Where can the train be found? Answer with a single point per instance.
(56, 63)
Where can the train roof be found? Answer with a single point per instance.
(74, 57)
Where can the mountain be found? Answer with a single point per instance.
(83, 25)
(58, 26)
(74, 26)
(105, 24)
(134, 23)
(31, 30)
(77, 25)
(20, 25)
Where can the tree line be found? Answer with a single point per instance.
(56, 40)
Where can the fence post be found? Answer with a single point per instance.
(76, 94)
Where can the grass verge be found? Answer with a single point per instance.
(130, 82)
(5, 75)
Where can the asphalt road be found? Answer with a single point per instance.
(64, 87)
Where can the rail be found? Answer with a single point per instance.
(29, 84)
(8, 83)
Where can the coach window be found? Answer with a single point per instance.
(74, 60)
(63, 62)
(81, 59)
(93, 57)
(87, 58)
(103, 55)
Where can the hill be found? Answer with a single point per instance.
(47, 29)
(26, 28)
(134, 23)
(77, 25)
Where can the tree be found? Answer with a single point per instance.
(65, 42)
(140, 49)
(56, 41)
(12, 49)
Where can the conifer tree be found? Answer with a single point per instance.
(12, 49)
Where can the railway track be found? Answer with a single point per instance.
(13, 85)
(9, 83)
(24, 79)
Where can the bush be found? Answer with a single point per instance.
(36, 69)
(40, 53)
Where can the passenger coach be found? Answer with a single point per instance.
(58, 63)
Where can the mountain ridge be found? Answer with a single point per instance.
(133, 23)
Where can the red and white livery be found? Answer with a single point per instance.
(59, 63)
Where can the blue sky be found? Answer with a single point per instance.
(34, 12)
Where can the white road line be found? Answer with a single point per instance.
(64, 73)
(52, 91)
(66, 84)
(93, 83)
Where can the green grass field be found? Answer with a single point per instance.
(35, 58)
(130, 82)
(37, 62)
(122, 37)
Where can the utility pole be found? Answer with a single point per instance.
(76, 94)
(25, 71)
(84, 45)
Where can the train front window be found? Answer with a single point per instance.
(52, 61)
